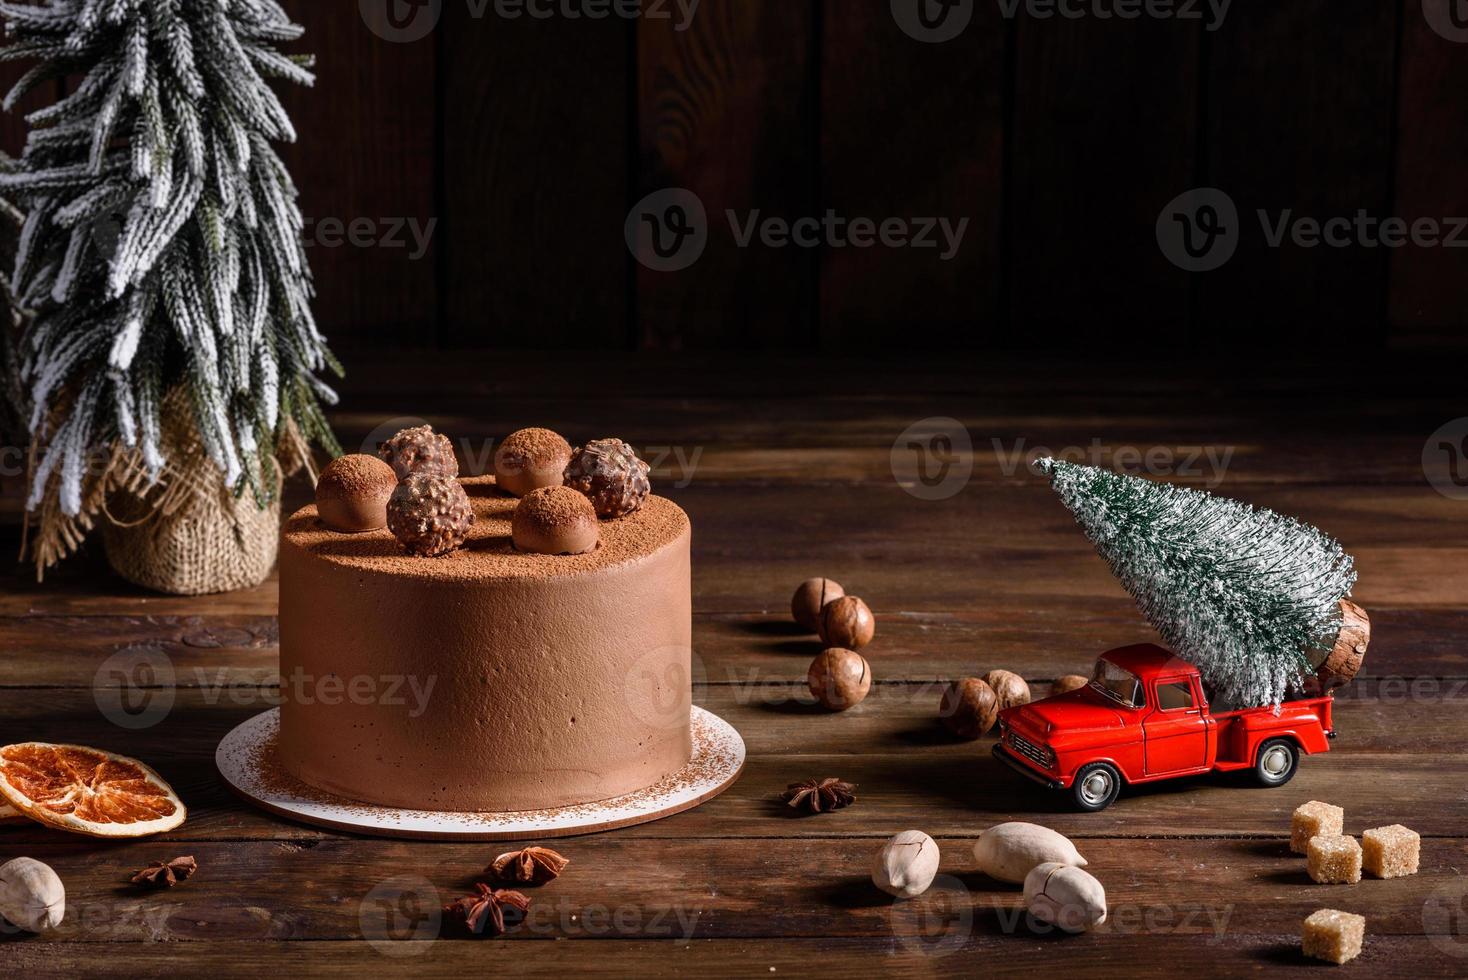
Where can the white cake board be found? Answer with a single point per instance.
(247, 754)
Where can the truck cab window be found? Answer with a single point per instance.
(1118, 684)
(1174, 695)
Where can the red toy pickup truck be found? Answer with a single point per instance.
(1145, 717)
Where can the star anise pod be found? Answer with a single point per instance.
(533, 865)
(819, 795)
(166, 874)
(485, 912)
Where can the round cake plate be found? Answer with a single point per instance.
(247, 753)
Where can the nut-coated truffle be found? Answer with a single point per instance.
(611, 474)
(352, 493)
(420, 450)
(530, 459)
(555, 521)
(429, 515)
(847, 622)
(839, 678)
(810, 598)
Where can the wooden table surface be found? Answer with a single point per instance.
(787, 472)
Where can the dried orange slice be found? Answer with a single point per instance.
(9, 814)
(87, 791)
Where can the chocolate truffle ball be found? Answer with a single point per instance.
(429, 515)
(420, 450)
(554, 521)
(1010, 687)
(847, 622)
(611, 474)
(969, 708)
(811, 598)
(352, 493)
(839, 678)
(530, 459)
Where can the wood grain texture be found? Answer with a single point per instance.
(793, 482)
(1018, 550)
(725, 109)
(1429, 285)
(746, 649)
(1307, 136)
(908, 131)
(910, 772)
(1204, 888)
(1390, 957)
(1104, 134)
(365, 166)
(534, 160)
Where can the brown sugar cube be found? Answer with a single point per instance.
(1334, 859)
(1333, 936)
(1390, 852)
(1311, 820)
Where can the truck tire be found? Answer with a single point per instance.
(1277, 761)
(1096, 786)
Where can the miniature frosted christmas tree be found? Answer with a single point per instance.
(167, 342)
(1250, 597)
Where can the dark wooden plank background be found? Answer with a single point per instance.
(526, 141)
(793, 477)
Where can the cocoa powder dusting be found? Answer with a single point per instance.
(488, 551)
(354, 477)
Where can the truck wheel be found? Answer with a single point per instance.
(1278, 759)
(1096, 786)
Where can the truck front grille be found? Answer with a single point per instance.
(1040, 757)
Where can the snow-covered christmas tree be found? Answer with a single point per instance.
(1244, 594)
(161, 265)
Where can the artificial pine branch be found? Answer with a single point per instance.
(162, 246)
(1242, 593)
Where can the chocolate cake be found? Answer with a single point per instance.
(488, 679)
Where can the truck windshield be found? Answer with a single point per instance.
(1117, 684)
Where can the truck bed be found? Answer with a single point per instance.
(1307, 720)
